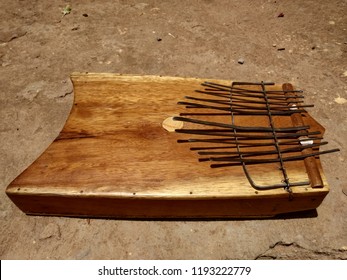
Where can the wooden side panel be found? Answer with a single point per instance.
(110, 207)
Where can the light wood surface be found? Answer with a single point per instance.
(114, 158)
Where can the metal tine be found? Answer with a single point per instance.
(223, 95)
(257, 93)
(216, 148)
(268, 160)
(242, 128)
(204, 114)
(282, 91)
(241, 100)
(245, 91)
(234, 155)
(259, 84)
(194, 105)
(267, 152)
(273, 108)
(232, 88)
(237, 162)
(244, 137)
(209, 132)
(238, 83)
(243, 112)
(274, 92)
(241, 90)
(243, 144)
(218, 101)
(217, 89)
(212, 140)
(216, 133)
(228, 133)
(238, 93)
(268, 97)
(243, 94)
(217, 86)
(250, 136)
(238, 111)
(226, 102)
(206, 130)
(237, 104)
(253, 84)
(261, 92)
(198, 105)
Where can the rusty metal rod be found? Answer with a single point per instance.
(235, 162)
(310, 162)
(248, 144)
(266, 152)
(241, 128)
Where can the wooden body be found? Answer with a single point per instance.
(113, 158)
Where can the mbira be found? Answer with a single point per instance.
(143, 147)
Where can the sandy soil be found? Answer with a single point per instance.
(39, 48)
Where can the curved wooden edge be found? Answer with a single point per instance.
(91, 76)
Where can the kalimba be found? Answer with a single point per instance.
(168, 147)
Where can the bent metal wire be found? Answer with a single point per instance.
(227, 141)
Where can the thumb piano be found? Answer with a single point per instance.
(168, 147)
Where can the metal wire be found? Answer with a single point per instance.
(234, 141)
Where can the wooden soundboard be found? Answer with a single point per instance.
(117, 156)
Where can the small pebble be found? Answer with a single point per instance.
(159, 39)
(281, 49)
(281, 15)
(241, 61)
(85, 15)
(340, 100)
(4, 64)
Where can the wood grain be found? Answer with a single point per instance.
(113, 158)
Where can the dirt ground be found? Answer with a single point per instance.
(39, 48)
